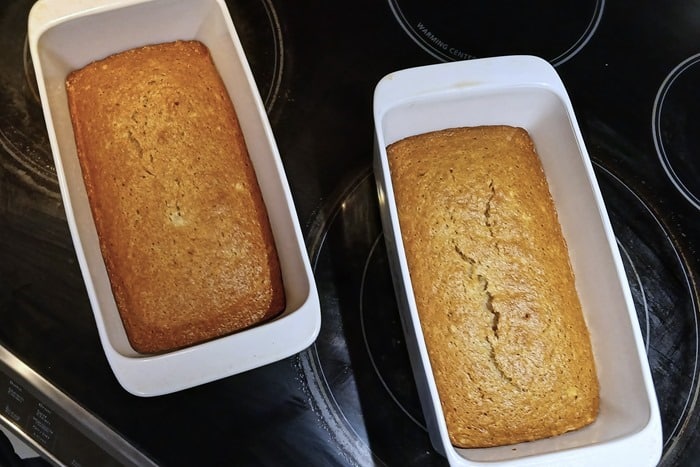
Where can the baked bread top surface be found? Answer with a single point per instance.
(182, 226)
(494, 288)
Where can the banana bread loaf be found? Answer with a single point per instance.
(504, 329)
(182, 226)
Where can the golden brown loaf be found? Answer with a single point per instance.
(182, 226)
(503, 325)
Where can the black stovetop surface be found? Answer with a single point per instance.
(632, 74)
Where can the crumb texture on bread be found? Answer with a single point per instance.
(182, 226)
(494, 288)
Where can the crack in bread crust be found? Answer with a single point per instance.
(481, 283)
(190, 256)
(495, 292)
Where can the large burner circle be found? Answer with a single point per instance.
(358, 374)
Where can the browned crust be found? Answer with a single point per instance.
(494, 287)
(182, 226)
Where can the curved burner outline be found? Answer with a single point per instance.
(321, 392)
(29, 166)
(694, 390)
(627, 259)
(28, 68)
(661, 95)
(269, 98)
(278, 63)
(584, 38)
(33, 159)
(312, 377)
(328, 410)
(574, 49)
(366, 342)
(30, 157)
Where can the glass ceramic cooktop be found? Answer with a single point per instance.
(350, 398)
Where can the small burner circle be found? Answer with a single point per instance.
(677, 142)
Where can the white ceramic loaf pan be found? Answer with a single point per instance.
(526, 91)
(64, 36)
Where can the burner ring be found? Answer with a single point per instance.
(348, 367)
(270, 96)
(636, 280)
(394, 397)
(445, 46)
(24, 147)
(660, 344)
(670, 126)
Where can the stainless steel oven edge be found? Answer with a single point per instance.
(54, 425)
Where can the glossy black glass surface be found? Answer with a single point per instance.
(350, 399)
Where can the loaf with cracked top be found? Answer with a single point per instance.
(181, 222)
(494, 288)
